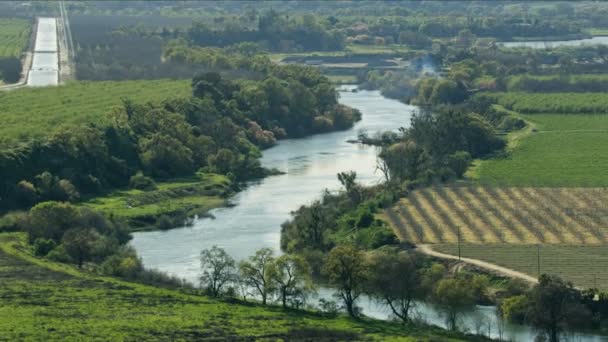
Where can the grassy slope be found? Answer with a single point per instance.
(47, 301)
(34, 112)
(567, 150)
(194, 196)
(14, 36)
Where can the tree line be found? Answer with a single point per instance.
(394, 278)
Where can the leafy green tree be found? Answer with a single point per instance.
(553, 305)
(165, 156)
(293, 278)
(50, 220)
(347, 270)
(257, 272)
(395, 280)
(218, 270)
(453, 296)
(81, 244)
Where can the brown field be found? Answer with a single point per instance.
(488, 215)
(565, 228)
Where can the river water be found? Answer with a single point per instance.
(311, 165)
(558, 43)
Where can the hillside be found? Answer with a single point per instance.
(44, 300)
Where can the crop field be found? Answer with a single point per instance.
(41, 300)
(195, 196)
(487, 215)
(566, 150)
(584, 266)
(14, 36)
(564, 103)
(35, 112)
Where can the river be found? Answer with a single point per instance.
(311, 165)
(558, 43)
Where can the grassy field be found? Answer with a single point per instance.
(14, 36)
(584, 266)
(189, 197)
(564, 103)
(566, 150)
(34, 112)
(487, 215)
(41, 300)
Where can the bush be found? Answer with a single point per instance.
(43, 246)
(459, 162)
(141, 182)
(164, 222)
(59, 254)
(123, 264)
(513, 309)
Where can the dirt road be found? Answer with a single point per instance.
(427, 249)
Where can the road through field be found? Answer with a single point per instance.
(426, 249)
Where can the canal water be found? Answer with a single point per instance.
(311, 165)
(553, 44)
(45, 63)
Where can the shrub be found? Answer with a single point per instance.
(459, 162)
(141, 182)
(514, 309)
(43, 246)
(124, 264)
(59, 254)
(164, 222)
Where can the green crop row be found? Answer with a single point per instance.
(14, 36)
(584, 266)
(563, 103)
(35, 112)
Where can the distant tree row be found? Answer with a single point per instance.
(274, 32)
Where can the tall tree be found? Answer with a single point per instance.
(346, 268)
(395, 280)
(80, 244)
(293, 277)
(257, 272)
(453, 295)
(218, 270)
(552, 305)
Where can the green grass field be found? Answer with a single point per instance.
(44, 301)
(584, 266)
(567, 150)
(35, 112)
(14, 36)
(192, 196)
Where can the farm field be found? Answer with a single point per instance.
(48, 301)
(563, 103)
(584, 266)
(488, 215)
(193, 196)
(35, 112)
(566, 150)
(14, 36)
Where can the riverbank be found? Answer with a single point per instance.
(64, 302)
(167, 205)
